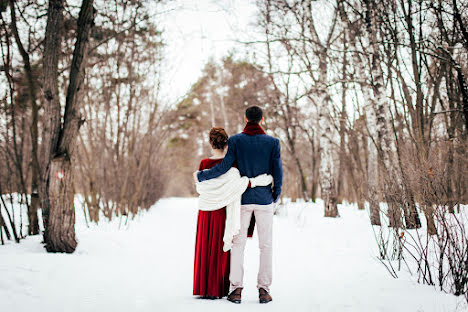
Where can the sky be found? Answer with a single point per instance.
(195, 31)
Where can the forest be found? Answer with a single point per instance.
(369, 99)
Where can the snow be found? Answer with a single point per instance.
(320, 264)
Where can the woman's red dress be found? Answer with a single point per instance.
(211, 270)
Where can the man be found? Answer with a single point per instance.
(255, 153)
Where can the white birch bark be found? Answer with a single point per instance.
(327, 183)
(372, 168)
(381, 108)
(372, 186)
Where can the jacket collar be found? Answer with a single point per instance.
(253, 128)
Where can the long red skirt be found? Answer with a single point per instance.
(211, 270)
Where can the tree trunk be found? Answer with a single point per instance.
(3, 227)
(60, 234)
(341, 170)
(58, 146)
(429, 213)
(315, 171)
(315, 160)
(463, 87)
(372, 184)
(327, 183)
(12, 224)
(72, 119)
(381, 108)
(371, 169)
(463, 29)
(298, 164)
(412, 220)
(93, 206)
(51, 106)
(313, 190)
(33, 228)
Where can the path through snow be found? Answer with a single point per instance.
(320, 264)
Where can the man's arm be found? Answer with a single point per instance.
(277, 172)
(220, 168)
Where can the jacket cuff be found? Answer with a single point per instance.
(276, 195)
(199, 176)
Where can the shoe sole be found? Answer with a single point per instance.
(235, 301)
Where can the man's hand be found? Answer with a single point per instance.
(195, 178)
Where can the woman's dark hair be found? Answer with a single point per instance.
(254, 114)
(218, 138)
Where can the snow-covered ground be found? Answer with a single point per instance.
(320, 264)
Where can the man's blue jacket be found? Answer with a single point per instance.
(254, 155)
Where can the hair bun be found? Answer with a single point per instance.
(218, 138)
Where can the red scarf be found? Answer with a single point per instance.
(253, 128)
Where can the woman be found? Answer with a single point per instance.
(211, 271)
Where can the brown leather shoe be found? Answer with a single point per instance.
(264, 296)
(235, 296)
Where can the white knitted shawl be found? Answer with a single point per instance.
(226, 191)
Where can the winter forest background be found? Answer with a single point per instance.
(368, 98)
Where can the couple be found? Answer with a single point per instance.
(234, 186)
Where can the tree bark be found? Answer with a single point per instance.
(372, 183)
(458, 18)
(327, 180)
(429, 213)
(343, 117)
(57, 192)
(464, 91)
(72, 119)
(371, 169)
(52, 105)
(392, 180)
(12, 224)
(61, 224)
(327, 183)
(3, 227)
(292, 150)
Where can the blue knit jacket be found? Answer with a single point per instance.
(254, 155)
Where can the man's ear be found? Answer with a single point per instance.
(261, 121)
(245, 118)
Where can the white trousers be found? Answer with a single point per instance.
(264, 224)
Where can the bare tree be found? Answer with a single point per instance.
(58, 145)
(33, 227)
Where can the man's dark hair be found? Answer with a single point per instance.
(254, 114)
